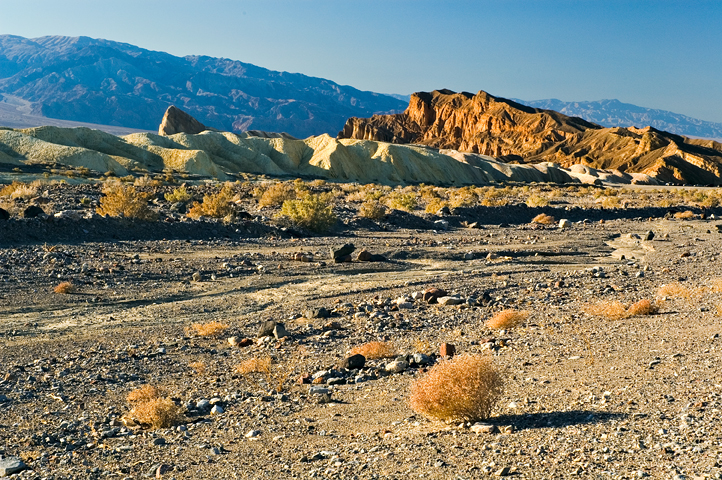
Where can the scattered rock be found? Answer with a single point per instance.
(253, 434)
(503, 472)
(33, 211)
(483, 428)
(4, 214)
(441, 225)
(397, 366)
(447, 350)
(353, 362)
(317, 313)
(340, 254)
(197, 277)
(216, 410)
(648, 236)
(450, 300)
(11, 465)
(431, 294)
(364, 256)
(564, 224)
(267, 328)
(421, 359)
(233, 341)
(279, 331)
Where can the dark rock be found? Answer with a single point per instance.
(33, 211)
(432, 293)
(344, 251)
(447, 350)
(279, 331)
(317, 313)
(176, 120)
(443, 211)
(364, 256)
(4, 214)
(353, 362)
(11, 465)
(267, 328)
(344, 259)
(649, 235)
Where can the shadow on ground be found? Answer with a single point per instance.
(556, 419)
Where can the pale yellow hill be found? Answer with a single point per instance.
(218, 154)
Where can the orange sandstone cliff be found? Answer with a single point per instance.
(516, 133)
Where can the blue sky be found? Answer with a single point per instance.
(657, 54)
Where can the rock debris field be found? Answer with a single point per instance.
(246, 332)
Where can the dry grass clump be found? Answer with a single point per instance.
(211, 329)
(372, 209)
(544, 219)
(216, 205)
(686, 215)
(436, 204)
(507, 319)
(374, 350)
(676, 290)
(119, 200)
(312, 212)
(254, 365)
(462, 197)
(643, 307)
(464, 388)
(64, 287)
(617, 310)
(276, 194)
(152, 410)
(179, 194)
(199, 367)
(19, 190)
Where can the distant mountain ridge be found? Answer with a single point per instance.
(613, 113)
(105, 82)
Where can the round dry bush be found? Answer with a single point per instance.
(643, 307)
(465, 388)
(375, 350)
(507, 319)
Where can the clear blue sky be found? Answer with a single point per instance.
(658, 54)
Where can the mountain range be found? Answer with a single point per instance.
(613, 113)
(110, 83)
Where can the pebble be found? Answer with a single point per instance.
(216, 410)
(253, 434)
(483, 428)
(397, 366)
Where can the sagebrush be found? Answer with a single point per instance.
(215, 205)
(152, 409)
(507, 319)
(374, 350)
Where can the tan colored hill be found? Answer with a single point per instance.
(222, 154)
(515, 133)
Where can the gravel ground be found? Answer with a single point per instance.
(584, 396)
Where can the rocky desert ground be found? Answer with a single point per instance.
(591, 390)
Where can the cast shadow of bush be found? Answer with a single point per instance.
(556, 419)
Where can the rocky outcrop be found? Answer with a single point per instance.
(176, 120)
(514, 133)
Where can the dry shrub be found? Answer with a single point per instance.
(686, 215)
(617, 311)
(374, 350)
(643, 307)
(64, 287)
(611, 310)
(507, 319)
(199, 367)
(211, 329)
(537, 201)
(464, 388)
(152, 410)
(119, 200)
(372, 209)
(276, 194)
(217, 205)
(18, 190)
(312, 212)
(179, 194)
(402, 201)
(254, 365)
(544, 219)
(463, 197)
(275, 375)
(436, 204)
(676, 290)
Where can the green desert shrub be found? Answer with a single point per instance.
(313, 212)
(179, 194)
